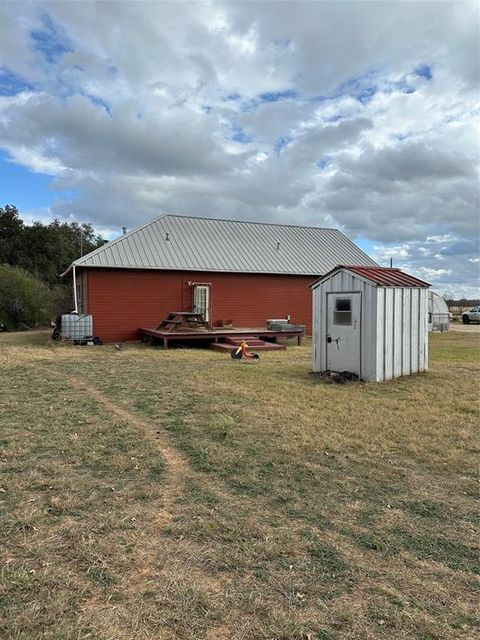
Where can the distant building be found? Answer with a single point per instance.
(438, 313)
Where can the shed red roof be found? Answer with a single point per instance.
(386, 276)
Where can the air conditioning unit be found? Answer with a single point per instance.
(283, 325)
(273, 324)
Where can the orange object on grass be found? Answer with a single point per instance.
(242, 352)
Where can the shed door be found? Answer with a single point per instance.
(201, 300)
(343, 332)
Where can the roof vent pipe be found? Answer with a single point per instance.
(124, 229)
(166, 237)
(278, 246)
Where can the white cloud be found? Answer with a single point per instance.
(383, 254)
(278, 111)
(434, 274)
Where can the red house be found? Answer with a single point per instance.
(247, 272)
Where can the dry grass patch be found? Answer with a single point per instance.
(177, 494)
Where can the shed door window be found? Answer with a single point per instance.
(343, 311)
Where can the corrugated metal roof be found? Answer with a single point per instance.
(174, 242)
(383, 276)
(387, 276)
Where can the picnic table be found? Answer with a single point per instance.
(178, 320)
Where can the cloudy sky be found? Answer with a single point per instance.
(358, 115)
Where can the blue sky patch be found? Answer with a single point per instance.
(11, 84)
(50, 41)
(363, 88)
(30, 192)
(241, 136)
(251, 104)
(323, 163)
(341, 115)
(402, 86)
(366, 94)
(282, 43)
(23, 188)
(276, 96)
(281, 143)
(365, 245)
(424, 71)
(112, 71)
(99, 102)
(401, 136)
(232, 97)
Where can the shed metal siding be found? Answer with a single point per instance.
(121, 301)
(401, 332)
(407, 326)
(415, 361)
(379, 335)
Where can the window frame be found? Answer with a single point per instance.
(344, 313)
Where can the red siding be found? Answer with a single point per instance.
(121, 301)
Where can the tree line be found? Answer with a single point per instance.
(32, 257)
(462, 302)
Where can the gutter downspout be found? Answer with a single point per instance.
(75, 291)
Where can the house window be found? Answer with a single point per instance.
(343, 311)
(201, 301)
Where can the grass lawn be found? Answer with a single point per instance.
(181, 495)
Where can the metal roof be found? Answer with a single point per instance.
(383, 276)
(173, 242)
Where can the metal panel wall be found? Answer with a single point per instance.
(407, 327)
(401, 332)
(423, 330)
(397, 332)
(380, 335)
(388, 336)
(414, 367)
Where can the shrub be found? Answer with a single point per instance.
(62, 299)
(25, 301)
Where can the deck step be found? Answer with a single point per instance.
(250, 341)
(264, 346)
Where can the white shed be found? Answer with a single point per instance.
(371, 321)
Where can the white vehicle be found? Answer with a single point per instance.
(471, 316)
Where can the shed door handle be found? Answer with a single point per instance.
(329, 339)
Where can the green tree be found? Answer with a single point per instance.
(11, 234)
(32, 257)
(25, 301)
(49, 249)
(45, 250)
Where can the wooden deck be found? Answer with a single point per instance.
(215, 335)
